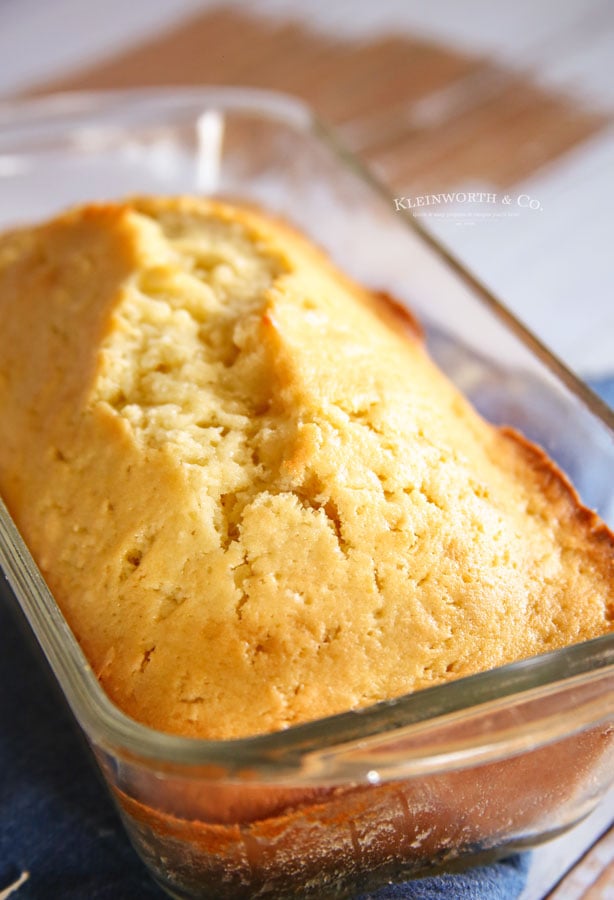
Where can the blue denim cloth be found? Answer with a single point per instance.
(605, 388)
(58, 823)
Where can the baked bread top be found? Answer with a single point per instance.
(254, 496)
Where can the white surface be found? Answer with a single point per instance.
(42, 39)
(554, 266)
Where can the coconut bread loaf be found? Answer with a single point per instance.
(254, 496)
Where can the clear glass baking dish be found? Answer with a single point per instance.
(449, 776)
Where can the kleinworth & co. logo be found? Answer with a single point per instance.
(468, 206)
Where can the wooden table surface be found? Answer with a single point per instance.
(480, 95)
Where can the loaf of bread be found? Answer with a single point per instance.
(255, 498)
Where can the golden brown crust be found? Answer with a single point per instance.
(397, 315)
(559, 489)
(565, 501)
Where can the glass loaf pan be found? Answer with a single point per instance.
(452, 775)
